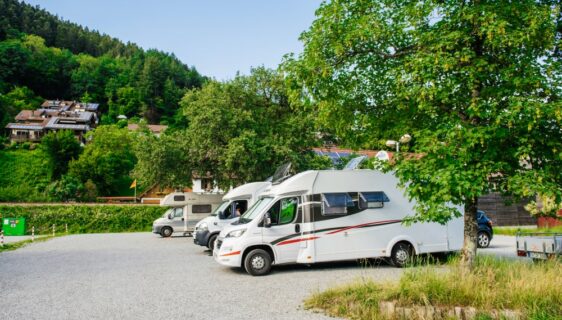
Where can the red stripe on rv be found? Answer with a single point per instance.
(296, 240)
(364, 225)
(230, 254)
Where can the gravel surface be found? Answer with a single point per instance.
(503, 246)
(143, 276)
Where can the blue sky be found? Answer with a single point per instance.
(218, 37)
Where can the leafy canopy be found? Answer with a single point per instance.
(476, 83)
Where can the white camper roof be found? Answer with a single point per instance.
(326, 181)
(178, 199)
(246, 191)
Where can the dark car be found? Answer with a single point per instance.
(485, 230)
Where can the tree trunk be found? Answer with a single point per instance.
(470, 234)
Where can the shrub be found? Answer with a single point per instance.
(85, 218)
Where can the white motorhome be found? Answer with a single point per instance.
(241, 198)
(186, 209)
(329, 215)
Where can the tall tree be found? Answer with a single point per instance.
(106, 159)
(61, 147)
(476, 83)
(240, 130)
(163, 160)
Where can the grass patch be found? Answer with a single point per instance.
(25, 175)
(513, 231)
(534, 289)
(19, 244)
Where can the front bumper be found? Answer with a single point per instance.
(201, 237)
(227, 253)
(156, 229)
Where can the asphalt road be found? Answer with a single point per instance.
(142, 276)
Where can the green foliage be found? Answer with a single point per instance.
(476, 84)
(66, 189)
(25, 175)
(17, 99)
(164, 161)
(85, 218)
(240, 130)
(106, 159)
(61, 147)
(494, 284)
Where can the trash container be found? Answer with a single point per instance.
(13, 226)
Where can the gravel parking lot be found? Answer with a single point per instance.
(142, 276)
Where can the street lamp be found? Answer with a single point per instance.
(404, 139)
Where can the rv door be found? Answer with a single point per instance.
(284, 234)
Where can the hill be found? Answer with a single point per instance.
(49, 58)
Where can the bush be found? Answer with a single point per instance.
(25, 145)
(85, 218)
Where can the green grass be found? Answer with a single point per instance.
(494, 284)
(19, 244)
(25, 175)
(513, 231)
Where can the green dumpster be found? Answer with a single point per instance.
(13, 226)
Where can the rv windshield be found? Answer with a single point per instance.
(220, 208)
(165, 215)
(255, 210)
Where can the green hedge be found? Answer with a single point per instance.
(85, 218)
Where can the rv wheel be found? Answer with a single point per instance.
(211, 243)
(166, 232)
(257, 262)
(402, 254)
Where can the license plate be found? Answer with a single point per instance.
(538, 255)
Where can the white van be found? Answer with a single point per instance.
(186, 209)
(242, 198)
(329, 215)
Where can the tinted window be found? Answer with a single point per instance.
(336, 203)
(201, 208)
(179, 198)
(372, 199)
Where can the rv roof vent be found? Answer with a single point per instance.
(354, 163)
(282, 173)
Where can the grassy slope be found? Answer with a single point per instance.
(535, 289)
(24, 175)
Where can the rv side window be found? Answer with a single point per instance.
(179, 198)
(178, 213)
(369, 200)
(201, 208)
(336, 203)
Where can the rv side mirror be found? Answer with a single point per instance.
(221, 215)
(267, 220)
(170, 217)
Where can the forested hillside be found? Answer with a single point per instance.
(43, 57)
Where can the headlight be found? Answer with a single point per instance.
(235, 233)
(203, 227)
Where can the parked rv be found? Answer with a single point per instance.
(186, 208)
(235, 203)
(241, 198)
(329, 215)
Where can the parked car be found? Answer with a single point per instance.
(485, 229)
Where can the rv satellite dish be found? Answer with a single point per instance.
(282, 173)
(354, 163)
(382, 155)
